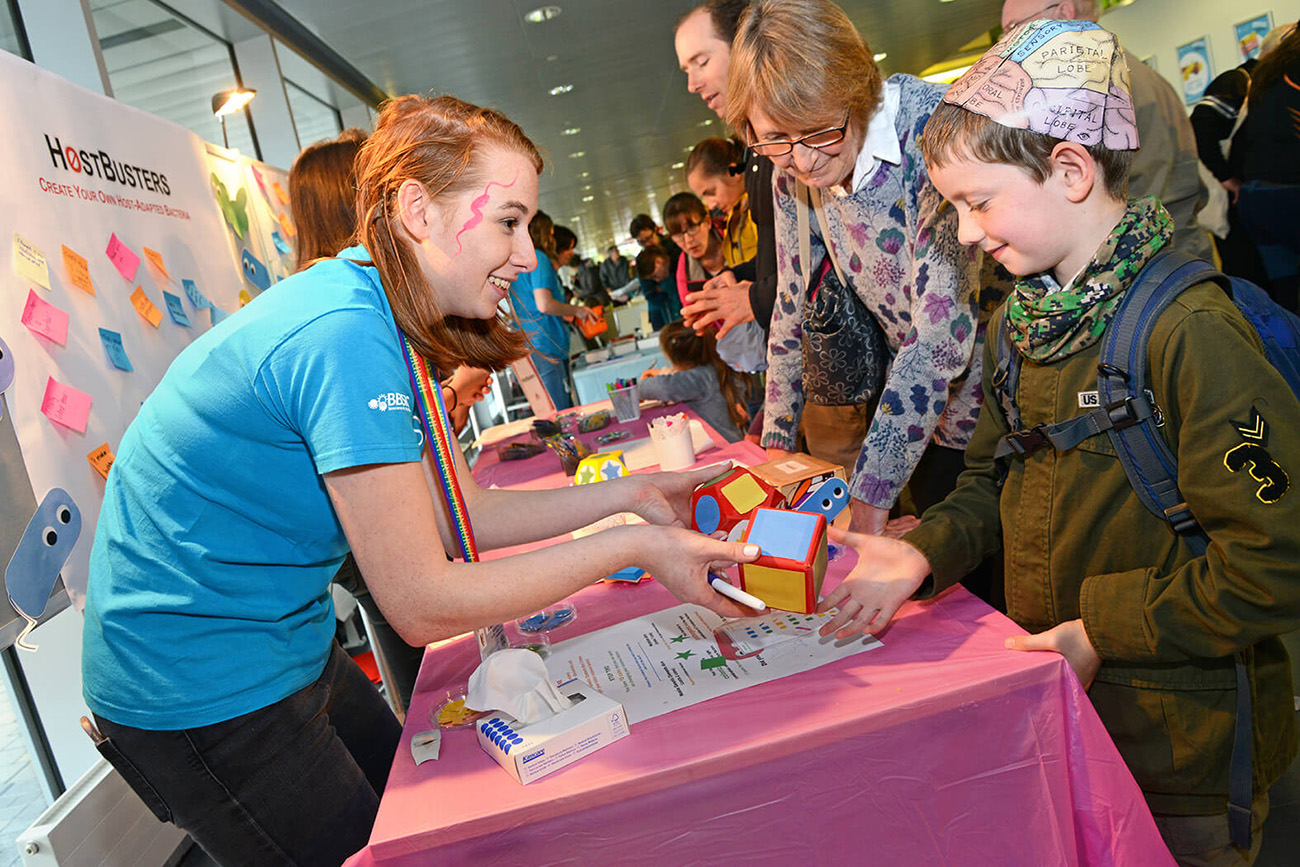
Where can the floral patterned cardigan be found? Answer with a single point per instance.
(896, 241)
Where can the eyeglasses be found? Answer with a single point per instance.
(678, 237)
(824, 138)
(1038, 14)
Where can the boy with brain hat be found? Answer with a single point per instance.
(1032, 147)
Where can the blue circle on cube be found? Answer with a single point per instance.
(708, 515)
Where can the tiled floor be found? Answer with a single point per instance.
(21, 798)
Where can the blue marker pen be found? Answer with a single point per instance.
(718, 583)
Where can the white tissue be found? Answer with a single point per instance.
(515, 681)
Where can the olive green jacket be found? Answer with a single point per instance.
(1079, 544)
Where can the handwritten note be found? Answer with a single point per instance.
(145, 307)
(280, 193)
(156, 260)
(287, 225)
(197, 298)
(122, 257)
(30, 262)
(261, 184)
(101, 459)
(66, 405)
(44, 319)
(218, 315)
(116, 351)
(176, 309)
(281, 244)
(78, 270)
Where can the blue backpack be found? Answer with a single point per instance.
(1128, 413)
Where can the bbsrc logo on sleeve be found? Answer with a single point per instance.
(391, 400)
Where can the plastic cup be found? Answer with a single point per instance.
(627, 403)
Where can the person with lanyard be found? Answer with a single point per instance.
(293, 433)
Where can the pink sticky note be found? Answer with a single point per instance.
(66, 405)
(44, 319)
(122, 257)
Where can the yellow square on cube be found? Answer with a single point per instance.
(779, 588)
(744, 493)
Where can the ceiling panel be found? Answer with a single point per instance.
(629, 100)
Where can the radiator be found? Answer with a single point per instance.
(99, 821)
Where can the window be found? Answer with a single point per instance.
(12, 38)
(162, 62)
(313, 118)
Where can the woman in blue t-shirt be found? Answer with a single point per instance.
(284, 438)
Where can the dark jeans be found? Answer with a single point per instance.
(297, 782)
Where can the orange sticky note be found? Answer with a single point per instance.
(287, 225)
(66, 405)
(78, 270)
(145, 307)
(155, 259)
(280, 193)
(44, 319)
(101, 459)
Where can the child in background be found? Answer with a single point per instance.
(744, 348)
(699, 379)
(1036, 168)
(715, 173)
(654, 270)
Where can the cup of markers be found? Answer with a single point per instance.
(569, 450)
(623, 395)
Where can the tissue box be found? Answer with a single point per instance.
(531, 752)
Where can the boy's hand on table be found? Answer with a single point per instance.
(888, 572)
(1070, 640)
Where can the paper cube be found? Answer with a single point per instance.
(795, 475)
(788, 574)
(724, 501)
(600, 467)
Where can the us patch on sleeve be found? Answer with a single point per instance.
(1251, 455)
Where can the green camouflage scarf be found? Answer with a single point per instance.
(1048, 324)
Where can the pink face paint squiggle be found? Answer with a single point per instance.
(476, 208)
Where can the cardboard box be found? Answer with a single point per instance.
(531, 752)
(795, 475)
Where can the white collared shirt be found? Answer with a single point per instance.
(880, 144)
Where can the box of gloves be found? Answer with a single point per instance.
(531, 751)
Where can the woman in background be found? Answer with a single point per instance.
(715, 173)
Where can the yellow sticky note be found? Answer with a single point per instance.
(155, 259)
(101, 459)
(280, 193)
(244, 297)
(287, 225)
(78, 270)
(30, 262)
(145, 307)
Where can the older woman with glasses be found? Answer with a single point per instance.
(805, 91)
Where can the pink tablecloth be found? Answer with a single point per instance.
(941, 747)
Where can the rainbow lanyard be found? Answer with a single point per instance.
(438, 434)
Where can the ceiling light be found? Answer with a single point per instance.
(679, 165)
(576, 154)
(575, 219)
(708, 122)
(585, 175)
(948, 76)
(589, 198)
(586, 187)
(573, 130)
(542, 13)
(880, 56)
(561, 88)
(229, 101)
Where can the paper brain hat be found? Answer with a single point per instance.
(1067, 79)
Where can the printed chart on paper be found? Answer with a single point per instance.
(671, 659)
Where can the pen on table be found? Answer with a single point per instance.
(731, 591)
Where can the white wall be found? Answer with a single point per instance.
(1158, 27)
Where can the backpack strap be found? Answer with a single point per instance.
(1122, 379)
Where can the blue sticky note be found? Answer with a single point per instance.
(197, 298)
(113, 346)
(280, 243)
(176, 309)
(217, 314)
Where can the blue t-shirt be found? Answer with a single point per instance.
(546, 333)
(209, 575)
